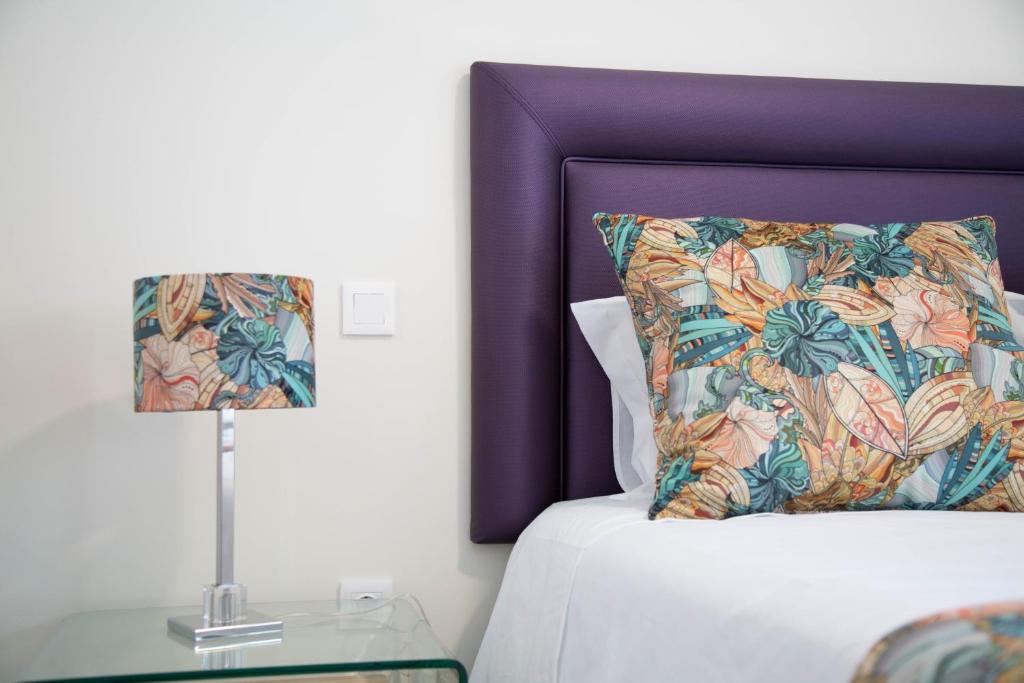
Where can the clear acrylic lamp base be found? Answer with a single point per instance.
(224, 603)
(224, 616)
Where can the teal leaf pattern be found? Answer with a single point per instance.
(882, 254)
(778, 475)
(807, 338)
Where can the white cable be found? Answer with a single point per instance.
(377, 604)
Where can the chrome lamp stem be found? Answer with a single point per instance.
(224, 603)
(226, 496)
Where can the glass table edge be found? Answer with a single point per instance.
(300, 670)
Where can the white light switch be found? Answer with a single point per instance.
(368, 308)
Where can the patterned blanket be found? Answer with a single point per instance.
(973, 644)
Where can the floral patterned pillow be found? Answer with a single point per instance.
(796, 367)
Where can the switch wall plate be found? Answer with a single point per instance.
(368, 308)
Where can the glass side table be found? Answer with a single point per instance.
(384, 642)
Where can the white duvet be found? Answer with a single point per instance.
(595, 592)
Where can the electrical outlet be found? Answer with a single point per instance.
(365, 588)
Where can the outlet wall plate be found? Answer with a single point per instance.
(365, 588)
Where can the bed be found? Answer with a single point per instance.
(550, 146)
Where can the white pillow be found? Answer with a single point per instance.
(1015, 303)
(607, 325)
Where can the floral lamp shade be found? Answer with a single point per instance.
(212, 341)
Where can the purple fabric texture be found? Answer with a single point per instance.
(677, 145)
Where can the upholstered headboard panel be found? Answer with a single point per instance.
(552, 145)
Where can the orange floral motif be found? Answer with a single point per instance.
(926, 318)
(831, 456)
(200, 339)
(744, 435)
(660, 357)
(729, 265)
(170, 379)
(868, 408)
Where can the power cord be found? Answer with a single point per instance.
(378, 604)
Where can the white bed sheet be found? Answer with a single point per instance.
(595, 592)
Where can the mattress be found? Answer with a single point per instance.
(596, 592)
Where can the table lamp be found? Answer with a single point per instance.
(224, 342)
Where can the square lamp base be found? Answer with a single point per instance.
(194, 627)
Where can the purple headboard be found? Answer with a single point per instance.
(552, 145)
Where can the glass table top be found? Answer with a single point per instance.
(318, 637)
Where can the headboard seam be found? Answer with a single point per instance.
(522, 102)
(562, 322)
(811, 167)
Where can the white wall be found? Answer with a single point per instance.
(328, 139)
